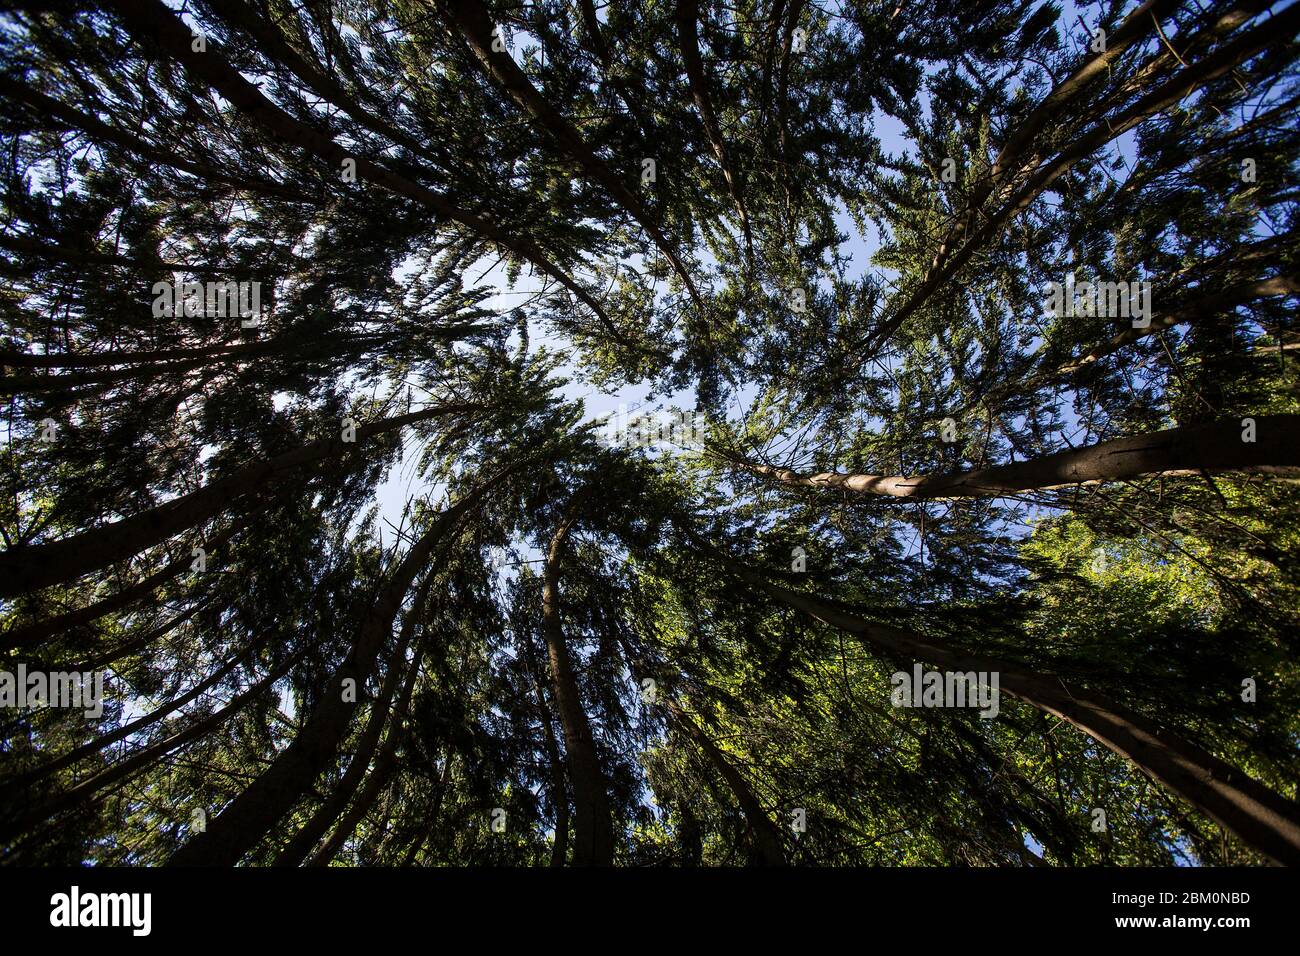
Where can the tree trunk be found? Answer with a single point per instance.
(302, 842)
(426, 831)
(1194, 450)
(559, 791)
(776, 17)
(591, 24)
(41, 630)
(768, 845)
(252, 814)
(1259, 817)
(375, 783)
(593, 834)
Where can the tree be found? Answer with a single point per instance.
(983, 318)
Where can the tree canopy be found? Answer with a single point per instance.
(961, 339)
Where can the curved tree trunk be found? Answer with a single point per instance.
(559, 792)
(385, 764)
(776, 17)
(45, 628)
(1259, 817)
(426, 831)
(769, 847)
(376, 781)
(593, 833)
(591, 24)
(1194, 450)
(782, 99)
(551, 747)
(252, 814)
(302, 842)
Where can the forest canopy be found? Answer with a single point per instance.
(652, 433)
